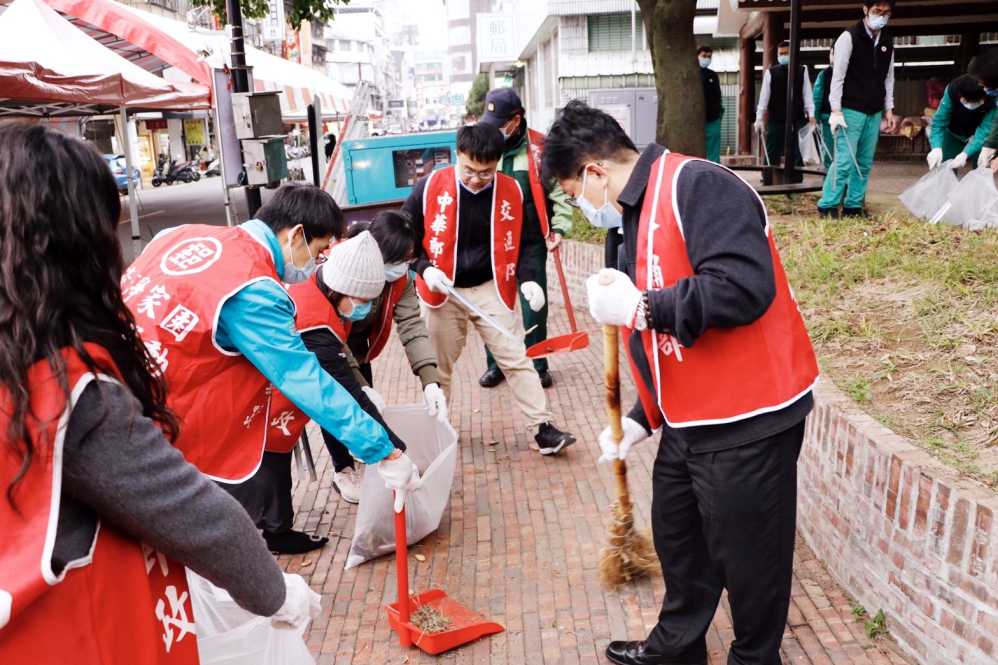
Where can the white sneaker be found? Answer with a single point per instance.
(347, 482)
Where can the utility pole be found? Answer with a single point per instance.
(240, 80)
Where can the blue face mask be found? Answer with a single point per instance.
(606, 217)
(877, 22)
(705, 63)
(294, 274)
(783, 60)
(394, 271)
(358, 313)
(991, 93)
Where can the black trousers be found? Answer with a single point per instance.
(726, 520)
(267, 495)
(342, 459)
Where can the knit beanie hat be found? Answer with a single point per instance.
(355, 268)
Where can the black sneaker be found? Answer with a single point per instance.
(830, 213)
(293, 542)
(551, 439)
(491, 378)
(853, 212)
(546, 379)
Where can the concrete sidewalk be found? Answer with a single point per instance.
(520, 539)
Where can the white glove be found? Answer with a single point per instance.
(960, 160)
(401, 476)
(614, 303)
(633, 433)
(760, 126)
(934, 158)
(836, 120)
(986, 155)
(300, 604)
(534, 294)
(436, 280)
(376, 399)
(435, 401)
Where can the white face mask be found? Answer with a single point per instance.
(704, 63)
(294, 274)
(394, 271)
(972, 105)
(506, 133)
(607, 217)
(876, 22)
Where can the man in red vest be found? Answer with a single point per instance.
(724, 368)
(471, 218)
(211, 308)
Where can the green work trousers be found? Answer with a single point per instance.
(776, 142)
(862, 133)
(826, 140)
(539, 257)
(714, 141)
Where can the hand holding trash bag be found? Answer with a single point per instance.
(400, 475)
(300, 604)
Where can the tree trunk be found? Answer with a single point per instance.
(669, 27)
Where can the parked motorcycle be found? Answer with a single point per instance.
(212, 169)
(169, 172)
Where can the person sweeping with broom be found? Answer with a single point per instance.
(724, 367)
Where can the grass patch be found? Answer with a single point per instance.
(904, 317)
(583, 231)
(877, 626)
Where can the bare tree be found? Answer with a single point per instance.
(669, 27)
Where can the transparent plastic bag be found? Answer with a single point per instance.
(807, 139)
(432, 446)
(229, 635)
(974, 201)
(927, 196)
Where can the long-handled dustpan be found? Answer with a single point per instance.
(462, 625)
(573, 341)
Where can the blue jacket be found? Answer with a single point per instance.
(258, 321)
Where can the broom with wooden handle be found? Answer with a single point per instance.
(630, 554)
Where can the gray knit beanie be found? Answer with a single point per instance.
(355, 268)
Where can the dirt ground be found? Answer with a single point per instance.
(904, 318)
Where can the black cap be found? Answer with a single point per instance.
(500, 105)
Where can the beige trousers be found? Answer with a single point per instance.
(447, 326)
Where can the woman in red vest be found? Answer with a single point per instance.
(100, 514)
(397, 303)
(724, 367)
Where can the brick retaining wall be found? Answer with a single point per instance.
(897, 529)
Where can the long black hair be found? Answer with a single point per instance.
(60, 273)
(394, 233)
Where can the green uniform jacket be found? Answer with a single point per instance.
(940, 124)
(515, 164)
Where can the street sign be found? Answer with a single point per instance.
(396, 103)
(495, 38)
(273, 25)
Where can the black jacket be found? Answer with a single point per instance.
(778, 77)
(865, 88)
(733, 285)
(711, 94)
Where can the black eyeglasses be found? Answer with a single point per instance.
(571, 200)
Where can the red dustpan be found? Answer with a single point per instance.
(464, 625)
(562, 343)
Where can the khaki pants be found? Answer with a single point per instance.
(448, 329)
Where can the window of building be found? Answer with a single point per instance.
(612, 32)
(346, 45)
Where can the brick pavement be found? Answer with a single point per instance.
(520, 538)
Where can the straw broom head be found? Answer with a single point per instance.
(630, 553)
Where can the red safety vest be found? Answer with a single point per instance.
(382, 329)
(176, 290)
(440, 221)
(124, 602)
(535, 150)
(729, 374)
(312, 311)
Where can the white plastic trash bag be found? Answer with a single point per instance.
(810, 152)
(432, 446)
(229, 635)
(974, 201)
(927, 196)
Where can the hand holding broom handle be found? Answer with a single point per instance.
(629, 554)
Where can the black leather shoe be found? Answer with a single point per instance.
(546, 379)
(853, 212)
(635, 653)
(831, 213)
(293, 542)
(491, 378)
